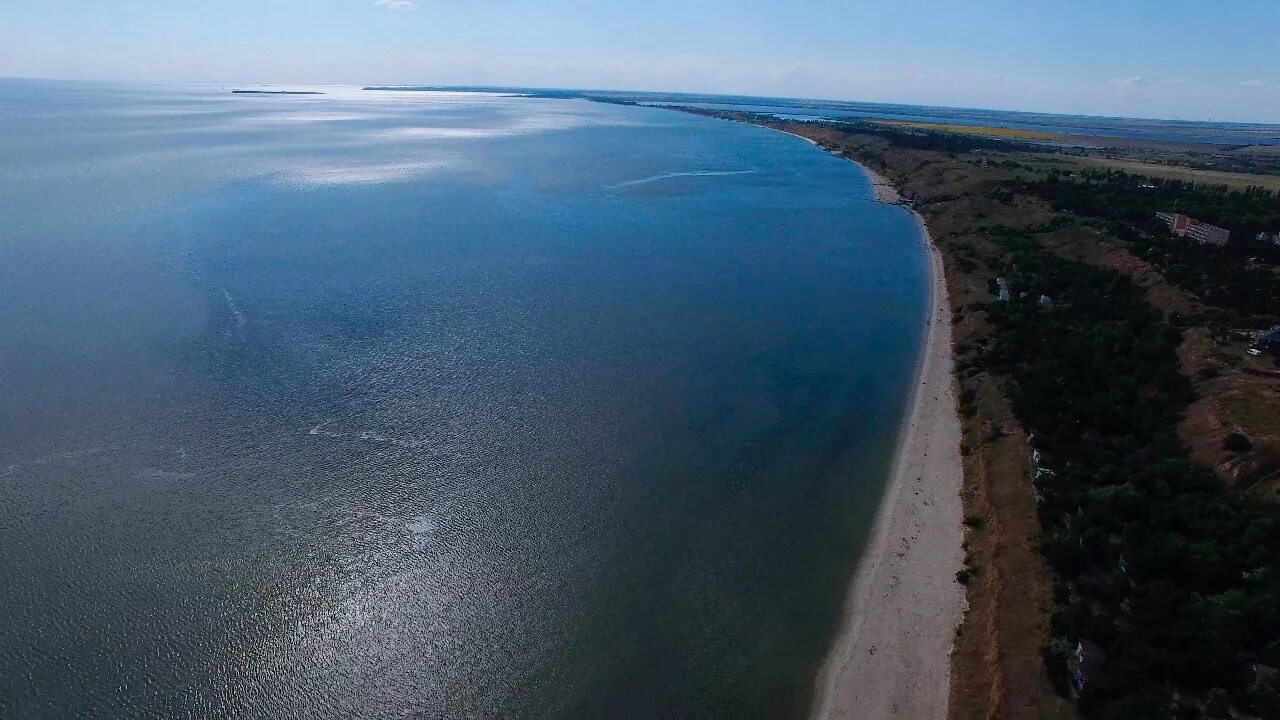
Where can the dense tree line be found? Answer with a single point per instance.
(1239, 277)
(1136, 199)
(1153, 560)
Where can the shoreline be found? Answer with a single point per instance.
(887, 192)
(891, 656)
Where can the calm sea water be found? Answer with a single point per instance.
(431, 405)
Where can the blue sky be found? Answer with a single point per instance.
(1177, 58)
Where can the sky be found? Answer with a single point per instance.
(1179, 59)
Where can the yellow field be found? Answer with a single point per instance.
(999, 132)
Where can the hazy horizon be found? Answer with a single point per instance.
(1035, 57)
(499, 87)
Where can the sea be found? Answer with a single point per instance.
(432, 404)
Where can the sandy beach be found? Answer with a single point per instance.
(886, 192)
(891, 656)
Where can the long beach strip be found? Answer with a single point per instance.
(891, 656)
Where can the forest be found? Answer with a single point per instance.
(1153, 560)
(1240, 277)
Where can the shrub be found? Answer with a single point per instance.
(1237, 443)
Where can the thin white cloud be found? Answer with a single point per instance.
(394, 4)
(1254, 83)
(1128, 82)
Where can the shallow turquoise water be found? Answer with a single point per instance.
(427, 405)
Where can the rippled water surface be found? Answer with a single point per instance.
(431, 405)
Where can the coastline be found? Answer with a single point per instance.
(891, 656)
(885, 191)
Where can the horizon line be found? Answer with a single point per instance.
(455, 87)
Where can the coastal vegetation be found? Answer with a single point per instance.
(1240, 277)
(1155, 562)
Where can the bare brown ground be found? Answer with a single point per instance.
(996, 670)
(1243, 397)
